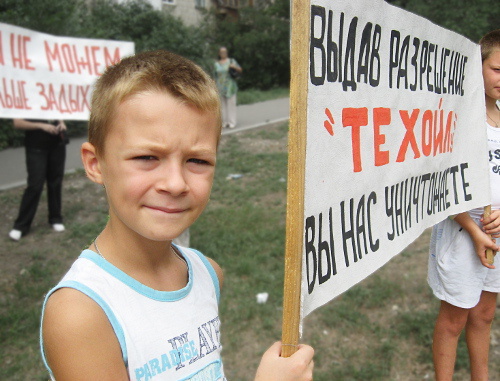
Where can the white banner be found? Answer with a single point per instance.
(50, 77)
(395, 138)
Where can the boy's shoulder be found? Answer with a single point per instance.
(73, 326)
(69, 312)
(71, 307)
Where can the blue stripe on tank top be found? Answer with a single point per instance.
(211, 271)
(161, 296)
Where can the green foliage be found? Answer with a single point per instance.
(471, 19)
(58, 17)
(112, 20)
(136, 20)
(9, 136)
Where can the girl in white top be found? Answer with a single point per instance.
(459, 273)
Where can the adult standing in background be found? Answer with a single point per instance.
(226, 71)
(45, 147)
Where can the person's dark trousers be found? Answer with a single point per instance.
(42, 165)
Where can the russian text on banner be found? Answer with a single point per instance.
(50, 77)
(393, 108)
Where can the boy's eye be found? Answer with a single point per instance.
(198, 161)
(145, 157)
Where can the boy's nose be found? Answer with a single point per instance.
(172, 180)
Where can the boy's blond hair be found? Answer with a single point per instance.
(149, 71)
(490, 43)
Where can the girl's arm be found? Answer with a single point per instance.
(233, 64)
(481, 240)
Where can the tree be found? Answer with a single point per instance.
(58, 17)
(471, 19)
(137, 21)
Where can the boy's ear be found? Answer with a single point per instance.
(91, 163)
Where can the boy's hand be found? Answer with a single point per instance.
(298, 366)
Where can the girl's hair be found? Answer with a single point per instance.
(490, 42)
(149, 71)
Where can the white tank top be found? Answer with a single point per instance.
(494, 173)
(163, 335)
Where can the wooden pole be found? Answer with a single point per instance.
(299, 63)
(490, 256)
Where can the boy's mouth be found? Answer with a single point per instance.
(166, 209)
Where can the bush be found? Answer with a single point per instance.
(58, 17)
(9, 136)
(471, 19)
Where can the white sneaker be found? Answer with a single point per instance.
(58, 227)
(15, 234)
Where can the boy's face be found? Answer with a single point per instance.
(491, 75)
(158, 165)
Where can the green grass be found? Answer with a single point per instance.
(20, 319)
(252, 96)
(381, 329)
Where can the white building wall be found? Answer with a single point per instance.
(189, 11)
(156, 4)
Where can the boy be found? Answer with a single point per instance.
(134, 306)
(459, 274)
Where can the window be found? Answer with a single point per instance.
(169, 2)
(200, 4)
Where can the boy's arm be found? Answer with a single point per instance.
(481, 240)
(297, 367)
(79, 342)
